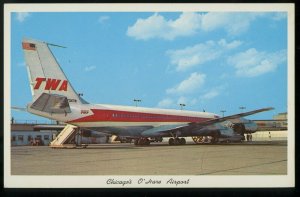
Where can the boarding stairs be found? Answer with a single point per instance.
(63, 140)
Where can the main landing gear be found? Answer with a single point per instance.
(177, 141)
(214, 138)
(142, 142)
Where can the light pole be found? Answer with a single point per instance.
(223, 111)
(242, 108)
(136, 101)
(181, 105)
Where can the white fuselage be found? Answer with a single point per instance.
(103, 115)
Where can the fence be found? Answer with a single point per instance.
(33, 121)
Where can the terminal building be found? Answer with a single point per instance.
(29, 133)
(35, 134)
(278, 123)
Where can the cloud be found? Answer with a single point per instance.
(211, 94)
(182, 99)
(165, 103)
(102, 19)
(156, 26)
(194, 82)
(234, 44)
(171, 103)
(190, 23)
(200, 53)
(233, 23)
(187, 101)
(21, 16)
(89, 68)
(252, 63)
(236, 23)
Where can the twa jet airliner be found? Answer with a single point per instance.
(55, 98)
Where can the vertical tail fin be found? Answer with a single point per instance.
(45, 74)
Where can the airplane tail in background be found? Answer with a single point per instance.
(45, 75)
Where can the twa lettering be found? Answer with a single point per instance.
(51, 84)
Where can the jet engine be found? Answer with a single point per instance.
(227, 131)
(244, 126)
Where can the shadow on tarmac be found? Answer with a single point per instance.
(157, 144)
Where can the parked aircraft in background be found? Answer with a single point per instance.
(55, 98)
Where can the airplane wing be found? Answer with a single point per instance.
(167, 129)
(235, 116)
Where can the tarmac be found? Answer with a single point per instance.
(247, 158)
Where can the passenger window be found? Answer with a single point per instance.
(20, 137)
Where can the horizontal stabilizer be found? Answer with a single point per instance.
(52, 103)
(18, 108)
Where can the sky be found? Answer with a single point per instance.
(208, 61)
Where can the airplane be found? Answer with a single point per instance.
(54, 97)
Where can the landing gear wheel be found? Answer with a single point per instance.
(147, 142)
(171, 141)
(177, 141)
(215, 138)
(198, 139)
(142, 142)
(136, 142)
(159, 139)
(182, 141)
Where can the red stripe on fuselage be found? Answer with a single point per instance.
(124, 116)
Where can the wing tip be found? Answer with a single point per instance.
(269, 108)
